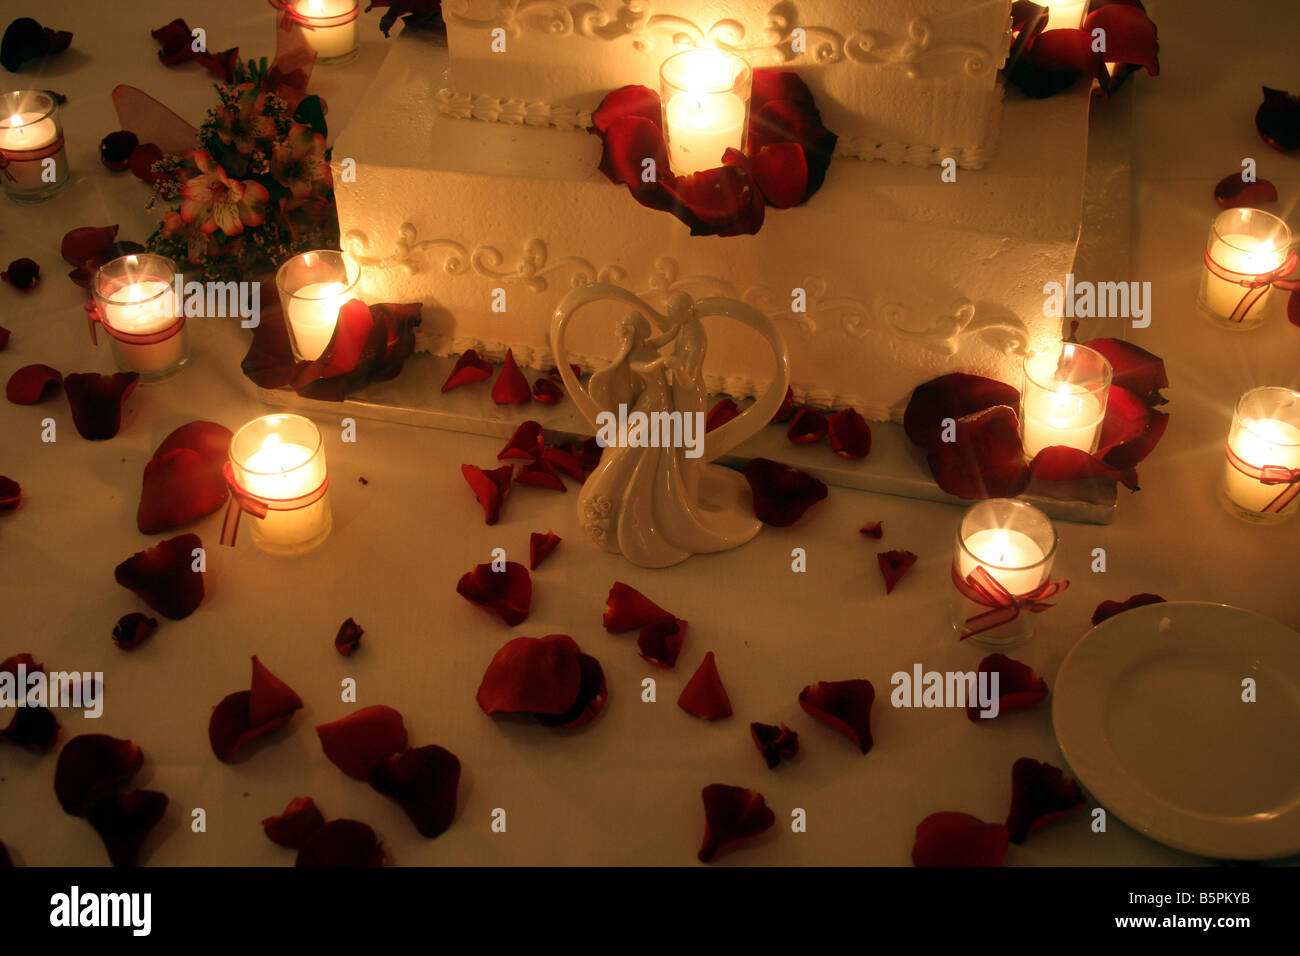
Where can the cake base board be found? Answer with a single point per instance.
(894, 467)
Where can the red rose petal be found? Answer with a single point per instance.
(717, 202)
(1019, 686)
(565, 461)
(348, 638)
(22, 274)
(540, 474)
(271, 697)
(132, 630)
(342, 843)
(1059, 463)
(10, 665)
(538, 675)
(86, 243)
(115, 149)
(124, 820)
(295, 825)
(32, 727)
(786, 411)
(1108, 609)
(844, 705)
(661, 641)
(89, 766)
(1135, 369)
(850, 434)
(732, 815)
(874, 530)
(230, 728)
(781, 493)
(893, 565)
(592, 694)
(32, 383)
(781, 171)
(184, 480)
(1278, 120)
(1130, 35)
(96, 401)
(540, 547)
(1053, 60)
(176, 41)
(958, 839)
(526, 444)
(221, 65)
(626, 102)
(423, 782)
(626, 144)
(775, 743)
(1040, 793)
(508, 594)
(704, 696)
(723, 411)
(1231, 191)
(986, 460)
(11, 493)
(510, 388)
(163, 576)
(1124, 457)
(489, 487)
(1127, 418)
(547, 392)
(952, 396)
(589, 453)
(364, 739)
(627, 609)
(809, 425)
(141, 162)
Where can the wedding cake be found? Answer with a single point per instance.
(944, 212)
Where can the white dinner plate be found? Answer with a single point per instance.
(1148, 712)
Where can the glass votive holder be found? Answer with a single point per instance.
(1248, 250)
(277, 476)
(1261, 477)
(705, 95)
(313, 287)
(33, 159)
(1063, 398)
(330, 27)
(1001, 571)
(135, 302)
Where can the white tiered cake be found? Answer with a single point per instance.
(905, 276)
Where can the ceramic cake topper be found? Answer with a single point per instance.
(655, 497)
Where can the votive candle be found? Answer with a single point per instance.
(1063, 398)
(330, 27)
(33, 158)
(705, 95)
(137, 306)
(1261, 476)
(313, 287)
(281, 460)
(1245, 249)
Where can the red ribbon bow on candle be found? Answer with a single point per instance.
(95, 317)
(984, 589)
(8, 156)
(1255, 284)
(243, 500)
(1289, 478)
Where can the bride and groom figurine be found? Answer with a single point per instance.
(656, 498)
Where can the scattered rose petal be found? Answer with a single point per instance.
(468, 368)
(176, 41)
(875, 529)
(11, 493)
(89, 766)
(540, 547)
(272, 698)
(547, 392)
(565, 461)
(364, 739)
(844, 705)
(781, 493)
(850, 434)
(511, 387)
(1019, 686)
(86, 248)
(22, 274)
(952, 396)
(10, 665)
(1278, 120)
(342, 843)
(526, 444)
(508, 594)
(1040, 793)
(540, 474)
(348, 638)
(809, 426)
(184, 480)
(661, 641)
(1232, 191)
(786, 411)
(423, 782)
(592, 694)
(986, 460)
(1135, 369)
(141, 163)
(1061, 463)
(115, 149)
(25, 39)
(133, 629)
(893, 565)
(723, 411)
(246, 715)
(1108, 609)
(32, 727)
(958, 839)
(295, 825)
(537, 675)
(704, 696)
(123, 820)
(163, 576)
(732, 815)
(96, 401)
(775, 743)
(627, 609)
(589, 453)
(489, 487)
(32, 383)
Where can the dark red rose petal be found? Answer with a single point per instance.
(141, 162)
(732, 815)
(510, 388)
(489, 487)
(547, 392)
(875, 529)
(32, 383)
(787, 409)
(1231, 191)
(22, 274)
(176, 41)
(1130, 35)
(342, 843)
(25, 39)
(986, 460)
(508, 594)
(538, 675)
(792, 121)
(423, 782)
(10, 665)
(893, 565)
(132, 630)
(124, 820)
(958, 839)
(625, 146)
(163, 576)
(86, 243)
(11, 493)
(540, 474)
(184, 480)
(115, 149)
(1059, 463)
(592, 694)
(563, 460)
(772, 84)
(1127, 455)
(1019, 686)
(717, 202)
(1040, 793)
(781, 493)
(704, 696)
(348, 638)
(221, 65)
(540, 547)
(364, 739)
(1053, 61)
(589, 453)
(1108, 609)
(781, 171)
(661, 642)
(469, 368)
(723, 411)
(626, 102)
(89, 766)
(295, 826)
(844, 705)
(627, 609)
(1135, 369)
(1278, 120)
(809, 425)
(271, 697)
(850, 434)
(952, 396)
(230, 728)
(97, 400)
(33, 728)
(775, 743)
(1127, 418)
